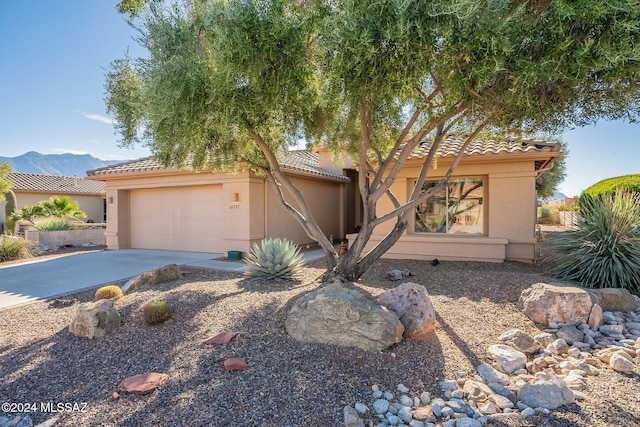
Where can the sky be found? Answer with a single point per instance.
(53, 60)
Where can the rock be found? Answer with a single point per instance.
(335, 314)
(142, 383)
(490, 375)
(502, 401)
(468, 422)
(402, 388)
(528, 412)
(559, 346)
(611, 329)
(381, 406)
(406, 400)
(351, 418)
(412, 304)
(507, 358)
(520, 341)
(95, 319)
(361, 408)
(570, 334)
(475, 390)
(26, 421)
(153, 277)
(545, 338)
(396, 275)
(546, 390)
(50, 422)
(544, 302)
(620, 363)
(405, 414)
(613, 299)
(235, 364)
(595, 316)
(221, 338)
(423, 412)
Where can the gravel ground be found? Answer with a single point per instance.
(288, 383)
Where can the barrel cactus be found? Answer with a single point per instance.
(275, 258)
(156, 312)
(107, 292)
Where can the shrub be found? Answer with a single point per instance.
(274, 259)
(156, 312)
(53, 224)
(107, 292)
(547, 215)
(604, 250)
(626, 183)
(14, 248)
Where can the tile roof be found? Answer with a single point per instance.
(297, 160)
(54, 184)
(451, 146)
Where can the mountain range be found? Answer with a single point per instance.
(56, 164)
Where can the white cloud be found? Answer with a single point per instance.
(97, 117)
(69, 151)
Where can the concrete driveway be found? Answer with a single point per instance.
(54, 276)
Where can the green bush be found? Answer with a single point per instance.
(53, 224)
(548, 215)
(626, 183)
(604, 250)
(14, 248)
(274, 259)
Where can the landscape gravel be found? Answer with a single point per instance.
(287, 383)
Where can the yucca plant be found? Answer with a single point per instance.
(275, 258)
(53, 224)
(604, 250)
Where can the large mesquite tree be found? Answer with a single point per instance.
(240, 81)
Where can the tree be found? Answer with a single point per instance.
(241, 81)
(547, 183)
(62, 207)
(5, 183)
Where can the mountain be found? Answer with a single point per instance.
(56, 164)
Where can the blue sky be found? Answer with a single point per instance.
(53, 57)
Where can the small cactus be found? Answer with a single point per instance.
(277, 259)
(156, 312)
(107, 292)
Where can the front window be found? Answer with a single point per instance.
(455, 209)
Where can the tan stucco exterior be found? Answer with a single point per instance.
(209, 212)
(92, 205)
(508, 211)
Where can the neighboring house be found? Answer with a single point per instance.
(150, 206)
(488, 210)
(31, 188)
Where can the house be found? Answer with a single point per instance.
(487, 213)
(31, 188)
(150, 206)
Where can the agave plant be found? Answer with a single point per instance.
(604, 250)
(275, 258)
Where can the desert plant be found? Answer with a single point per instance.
(62, 207)
(107, 292)
(12, 247)
(156, 312)
(53, 224)
(626, 183)
(547, 215)
(9, 207)
(275, 258)
(604, 249)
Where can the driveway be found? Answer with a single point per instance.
(54, 276)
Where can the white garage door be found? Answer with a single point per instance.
(177, 218)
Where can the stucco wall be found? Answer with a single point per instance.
(508, 213)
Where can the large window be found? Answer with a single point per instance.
(455, 209)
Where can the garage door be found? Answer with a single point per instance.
(177, 218)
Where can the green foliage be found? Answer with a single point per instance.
(275, 258)
(28, 213)
(53, 224)
(5, 183)
(156, 312)
(627, 183)
(9, 207)
(12, 247)
(108, 292)
(547, 183)
(604, 250)
(62, 207)
(548, 215)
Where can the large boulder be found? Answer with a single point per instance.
(412, 304)
(345, 316)
(544, 303)
(152, 277)
(546, 390)
(614, 299)
(95, 319)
